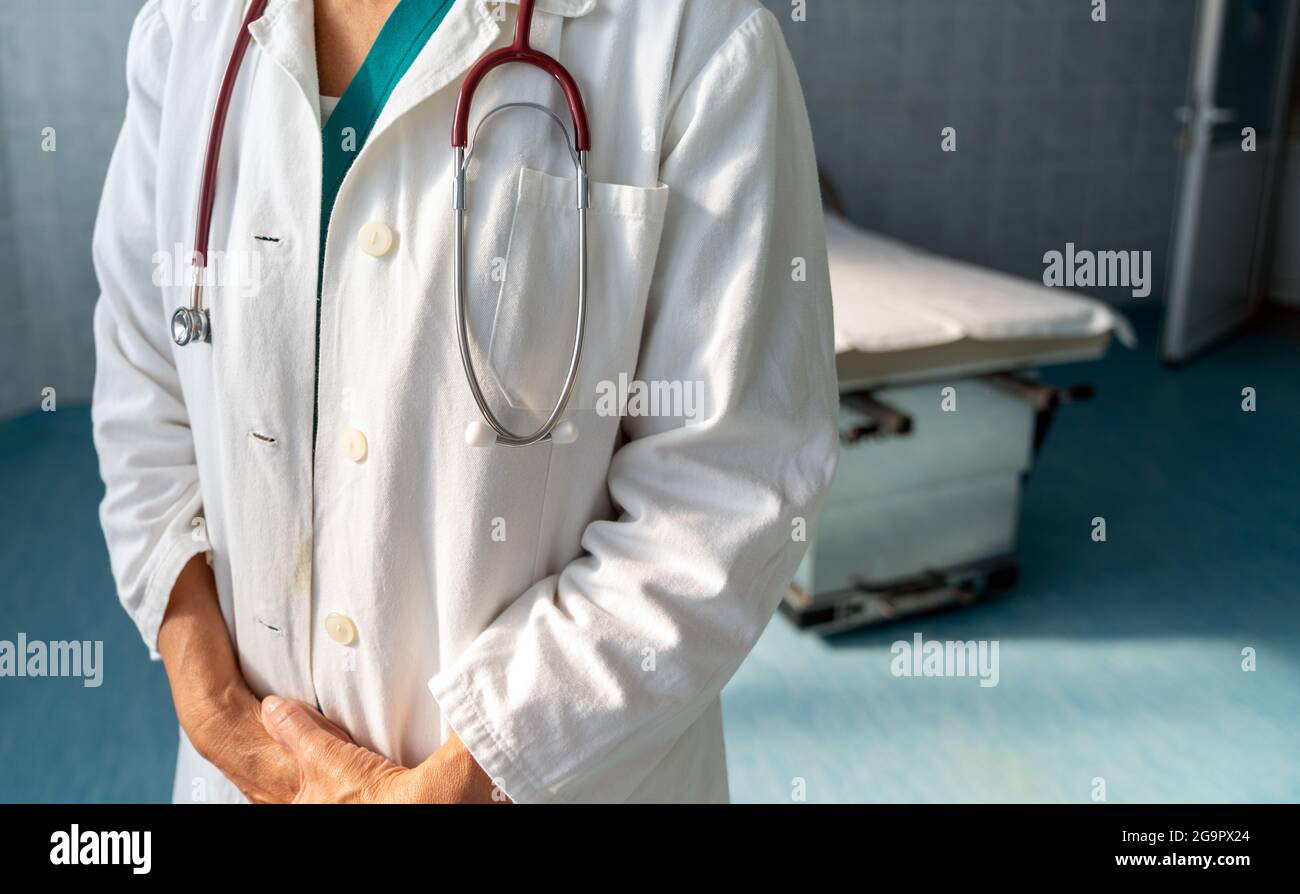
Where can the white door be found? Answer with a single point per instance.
(1240, 79)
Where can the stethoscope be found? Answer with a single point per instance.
(193, 324)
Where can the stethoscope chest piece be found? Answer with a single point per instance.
(191, 324)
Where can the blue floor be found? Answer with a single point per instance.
(1119, 661)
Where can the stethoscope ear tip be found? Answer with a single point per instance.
(565, 433)
(480, 434)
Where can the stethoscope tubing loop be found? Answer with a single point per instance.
(505, 436)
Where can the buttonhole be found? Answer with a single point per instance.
(270, 627)
(267, 238)
(258, 436)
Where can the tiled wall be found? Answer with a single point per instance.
(62, 65)
(1065, 127)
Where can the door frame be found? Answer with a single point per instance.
(1200, 114)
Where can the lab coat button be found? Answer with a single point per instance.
(376, 239)
(340, 628)
(355, 447)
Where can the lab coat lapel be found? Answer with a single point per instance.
(464, 35)
(286, 33)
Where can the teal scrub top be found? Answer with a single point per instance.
(403, 36)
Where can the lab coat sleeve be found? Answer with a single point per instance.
(582, 686)
(141, 427)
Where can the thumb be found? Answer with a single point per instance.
(293, 727)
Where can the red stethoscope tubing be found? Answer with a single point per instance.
(212, 158)
(521, 51)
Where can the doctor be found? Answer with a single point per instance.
(351, 602)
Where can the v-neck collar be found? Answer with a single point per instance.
(400, 42)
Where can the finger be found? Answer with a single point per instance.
(327, 724)
(292, 725)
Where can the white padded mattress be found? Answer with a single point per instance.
(902, 314)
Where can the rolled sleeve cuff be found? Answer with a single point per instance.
(158, 592)
(455, 697)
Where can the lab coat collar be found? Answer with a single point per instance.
(286, 32)
(572, 8)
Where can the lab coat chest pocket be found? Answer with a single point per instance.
(534, 326)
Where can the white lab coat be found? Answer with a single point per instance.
(572, 612)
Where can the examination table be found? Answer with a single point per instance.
(941, 416)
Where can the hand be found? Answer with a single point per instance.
(335, 770)
(331, 768)
(227, 731)
(220, 716)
